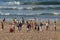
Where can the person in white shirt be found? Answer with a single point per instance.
(47, 25)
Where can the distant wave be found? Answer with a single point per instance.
(42, 3)
(10, 8)
(49, 14)
(10, 3)
(28, 3)
(13, 3)
(28, 8)
(34, 3)
(3, 13)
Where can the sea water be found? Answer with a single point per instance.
(10, 11)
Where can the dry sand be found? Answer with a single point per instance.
(31, 35)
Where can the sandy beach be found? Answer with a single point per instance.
(50, 34)
(29, 19)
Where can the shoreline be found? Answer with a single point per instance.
(41, 19)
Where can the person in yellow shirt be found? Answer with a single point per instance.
(31, 24)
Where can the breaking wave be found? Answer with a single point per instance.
(28, 8)
(13, 3)
(4, 13)
(49, 14)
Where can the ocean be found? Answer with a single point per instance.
(10, 10)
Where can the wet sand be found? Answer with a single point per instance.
(50, 34)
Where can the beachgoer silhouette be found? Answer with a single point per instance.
(2, 25)
(47, 25)
(22, 20)
(55, 25)
(35, 24)
(11, 30)
(31, 24)
(41, 26)
(19, 26)
(14, 23)
(28, 26)
(3, 19)
(38, 28)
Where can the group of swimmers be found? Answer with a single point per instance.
(29, 25)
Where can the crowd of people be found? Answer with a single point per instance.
(29, 25)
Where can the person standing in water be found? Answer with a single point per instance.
(55, 25)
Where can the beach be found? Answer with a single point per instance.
(27, 10)
(50, 34)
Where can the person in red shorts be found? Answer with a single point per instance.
(11, 30)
